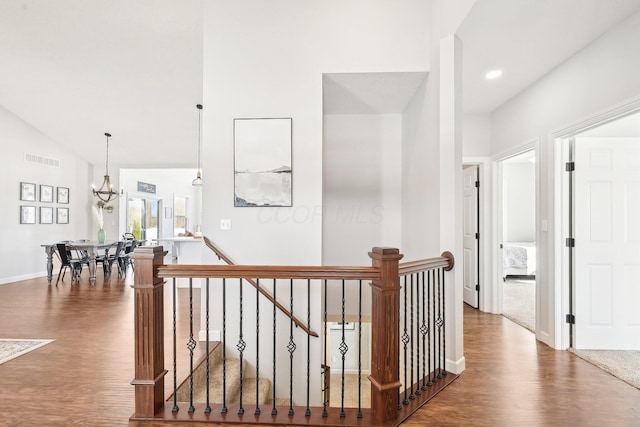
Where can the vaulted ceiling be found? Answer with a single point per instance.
(75, 69)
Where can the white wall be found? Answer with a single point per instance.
(596, 79)
(21, 254)
(476, 135)
(361, 186)
(266, 59)
(519, 200)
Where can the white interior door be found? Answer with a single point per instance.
(470, 236)
(607, 243)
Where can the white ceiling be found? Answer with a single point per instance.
(75, 69)
(527, 39)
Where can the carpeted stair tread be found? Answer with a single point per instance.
(249, 386)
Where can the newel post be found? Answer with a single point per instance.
(149, 331)
(385, 334)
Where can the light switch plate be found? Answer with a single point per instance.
(225, 224)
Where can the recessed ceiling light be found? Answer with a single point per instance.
(493, 74)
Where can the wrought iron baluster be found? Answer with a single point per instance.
(241, 347)
(431, 308)
(307, 413)
(175, 361)
(257, 411)
(207, 408)
(411, 395)
(343, 350)
(439, 323)
(291, 347)
(418, 391)
(444, 327)
(325, 389)
(274, 411)
(405, 341)
(359, 348)
(191, 345)
(224, 346)
(424, 330)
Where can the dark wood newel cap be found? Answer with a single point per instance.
(384, 250)
(449, 256)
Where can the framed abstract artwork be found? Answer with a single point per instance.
(62, 215)
(46, 215)
(262, 162)
(27, 192)
(27, 214)
(46, 193)
(63, 195)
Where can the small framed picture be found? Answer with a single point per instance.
(27, 192)
(168, 212)
(63, 195)
(27, 214)
(46, 193)
(46, 215)
(62, 215)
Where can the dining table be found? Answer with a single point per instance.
(90, 246)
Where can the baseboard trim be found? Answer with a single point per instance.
(456, 367)
(22, 277)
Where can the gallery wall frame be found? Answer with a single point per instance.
(63, 195)
(27, 214)
(46, 215)
(27, 192)
(62, 215)
(46, 193)
(262, 162)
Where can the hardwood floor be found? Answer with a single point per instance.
(82, 378)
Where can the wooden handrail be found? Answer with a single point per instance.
(268, 272)
(221, 255)
(445, 261)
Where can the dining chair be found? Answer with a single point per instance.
(68, 261)
(108, 258)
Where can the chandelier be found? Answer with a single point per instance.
(198, 181)
(106, 193)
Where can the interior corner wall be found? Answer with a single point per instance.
(420, 174)
(598, 78)
(24, 258)
(361, 186)
(476, 135)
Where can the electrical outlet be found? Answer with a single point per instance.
(225, 224)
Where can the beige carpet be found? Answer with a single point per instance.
(619, 363)
(12, 348)
(519, 302)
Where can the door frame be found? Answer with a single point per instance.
(498, 201)
(486, 297)
(559, 141)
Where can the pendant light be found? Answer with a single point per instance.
(198, 181)
(106, 193)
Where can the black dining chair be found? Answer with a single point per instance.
(68, 261)
(110, 256)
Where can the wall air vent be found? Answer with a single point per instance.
(41, 160)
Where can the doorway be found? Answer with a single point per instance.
(142, 217)
(471, 235)
(603, 215)
(517, 230)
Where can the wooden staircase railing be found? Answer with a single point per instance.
(222, 256)
(385, 279)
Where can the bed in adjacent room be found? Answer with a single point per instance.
(519, 259)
